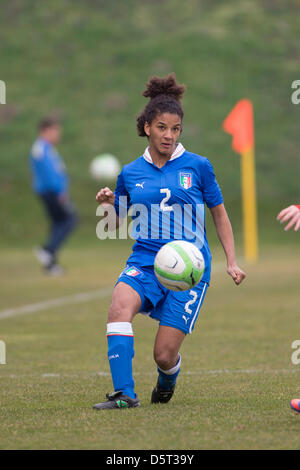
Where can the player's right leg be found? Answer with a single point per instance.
(125, 304)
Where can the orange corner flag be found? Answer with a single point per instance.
(239, 123)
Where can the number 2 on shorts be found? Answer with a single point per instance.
(190, 302)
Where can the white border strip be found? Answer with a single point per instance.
(200, 372)
(197, 309)
(53, 303)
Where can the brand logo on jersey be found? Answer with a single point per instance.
(132, 271)
(113, 356)
(141, 185)
(185, 180)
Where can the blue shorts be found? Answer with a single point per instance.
(171, 308)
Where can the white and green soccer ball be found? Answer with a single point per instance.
(105, 167)
(179, 265)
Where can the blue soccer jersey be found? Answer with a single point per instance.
(167, 203)
(47, 168)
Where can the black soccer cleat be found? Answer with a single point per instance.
(117, 400)
(160, 395)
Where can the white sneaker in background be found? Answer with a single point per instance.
(43, 256)
(54, 270)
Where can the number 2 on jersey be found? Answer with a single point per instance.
(163, 205)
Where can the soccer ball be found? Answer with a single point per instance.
(105, 167)
(179, 265)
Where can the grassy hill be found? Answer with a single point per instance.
(89, 62)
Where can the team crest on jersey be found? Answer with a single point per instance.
(132, 271)
(185, 180)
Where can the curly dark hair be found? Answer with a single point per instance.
(165, 95)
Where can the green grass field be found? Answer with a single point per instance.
(236, 380)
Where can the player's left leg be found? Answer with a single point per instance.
(177, 315)
(166, 355)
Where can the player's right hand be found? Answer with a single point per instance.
(105, 196)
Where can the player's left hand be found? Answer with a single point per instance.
(236, 273)
(291, 214)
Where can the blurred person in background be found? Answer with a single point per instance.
(291, 214)
(50, 182)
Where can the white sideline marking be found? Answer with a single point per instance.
(71, 299)
(53, 303)
(196, 372)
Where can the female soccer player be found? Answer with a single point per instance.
(164, 179)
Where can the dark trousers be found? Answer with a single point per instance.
(63, 220)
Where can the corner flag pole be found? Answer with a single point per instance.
(239, 123)
(249, 205)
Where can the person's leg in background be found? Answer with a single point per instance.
(63, 219)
